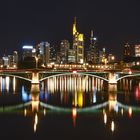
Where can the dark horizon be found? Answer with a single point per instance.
(29, 22)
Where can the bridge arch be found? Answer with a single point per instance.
(64, 74)
(16, 76)
(126, 76)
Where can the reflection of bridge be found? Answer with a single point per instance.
(68, 110)
(38, 76)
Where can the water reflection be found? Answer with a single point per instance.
(74, 115)
(73, 91)
(112, 126)
(75, 96)
(35, 122)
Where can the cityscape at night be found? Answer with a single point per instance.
(67, 56)
(70, 69)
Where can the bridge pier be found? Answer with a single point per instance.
(35, 78)
(112, 78)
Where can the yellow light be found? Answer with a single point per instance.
(113, 58)
(130, 112)
(80, 37)
(74, 112)
(74, 115)
(80, 99)
(74, 29)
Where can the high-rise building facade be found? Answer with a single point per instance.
(78, 44)
(111, 58)
(43, 52)
(102, 56)
(64, 47)
(127, 51)
(27, 51)
(53, 54)
(15, 58)
(92, 53)
(71, 56)
(137, 50)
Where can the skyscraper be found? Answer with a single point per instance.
(15, 58)
(27, 51)
(43, 50)
(92, 53)
(53, 54)
(64, 47)
(78, 44)
(127, 51)
(137, 50)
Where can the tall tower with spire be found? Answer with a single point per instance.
(74, 27)
(78, 44)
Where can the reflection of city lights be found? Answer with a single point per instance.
(35, 122)
(74, 112)
(7, 83)
(122, 111)
(112, 126)
(74, 115)
(14, 84)
(94, 96)
(25, 112)
(105, 118)
(103, 111)
(44, 112)
(35, 105)
(130, 111)
(137, 93)
(80, 99)
(1, 83)
(113, 105)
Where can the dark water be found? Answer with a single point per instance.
(69, 107)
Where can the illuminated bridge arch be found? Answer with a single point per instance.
(126, 76)
(16, 76)
(64, 74)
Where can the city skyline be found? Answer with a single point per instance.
(24, 22)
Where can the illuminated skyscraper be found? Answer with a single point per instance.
(27, 51)
(92, 53)
(78, 44)
(71, 56)
(53, 54)
(64, 47)
(15, 59)
(102, 56)
(137, 50)
(43, 52)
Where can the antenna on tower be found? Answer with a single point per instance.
(75, 20)
(91, 33)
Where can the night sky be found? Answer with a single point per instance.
(31, 21)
